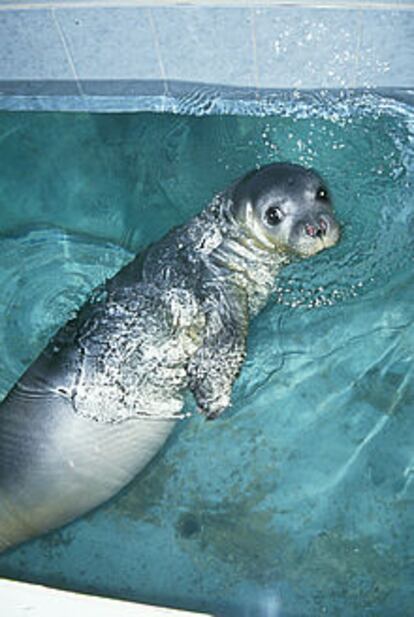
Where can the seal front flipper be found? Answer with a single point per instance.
(216, 365)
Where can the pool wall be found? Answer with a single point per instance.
(120, 56)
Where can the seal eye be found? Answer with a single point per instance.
(322, 194)
(273, 215)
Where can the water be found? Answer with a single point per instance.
(299, 500)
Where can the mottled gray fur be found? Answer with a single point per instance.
(176, 317)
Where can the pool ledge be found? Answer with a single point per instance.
(19, 599)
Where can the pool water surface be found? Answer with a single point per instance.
(299, 499)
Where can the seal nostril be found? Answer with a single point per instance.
(323, 226)
(317, 231)
(311, 230)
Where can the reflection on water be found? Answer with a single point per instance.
(298, 501)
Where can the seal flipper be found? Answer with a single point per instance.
(71, 433)
(56, 465)
(216, 365)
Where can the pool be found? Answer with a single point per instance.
(298, 501)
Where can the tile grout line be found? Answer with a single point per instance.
(360, 36)
(67, 52)
(157, 46)
(254, 46)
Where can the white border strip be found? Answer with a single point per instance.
(23, 599)
(366, 5)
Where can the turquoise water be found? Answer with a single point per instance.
(299, 500)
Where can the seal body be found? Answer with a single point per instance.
(104, 395)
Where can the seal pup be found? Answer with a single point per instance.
(102, 398)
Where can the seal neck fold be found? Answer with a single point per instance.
(250, 266)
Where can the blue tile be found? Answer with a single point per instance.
(301, 47)
(208, 45)
(278, 47)
(110, 43)
(387, 49)
(30, 47)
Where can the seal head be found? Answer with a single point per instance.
(286, 208)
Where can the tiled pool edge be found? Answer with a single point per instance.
(184, 98)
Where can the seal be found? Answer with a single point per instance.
(101, 399)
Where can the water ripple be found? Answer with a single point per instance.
(46, 274)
